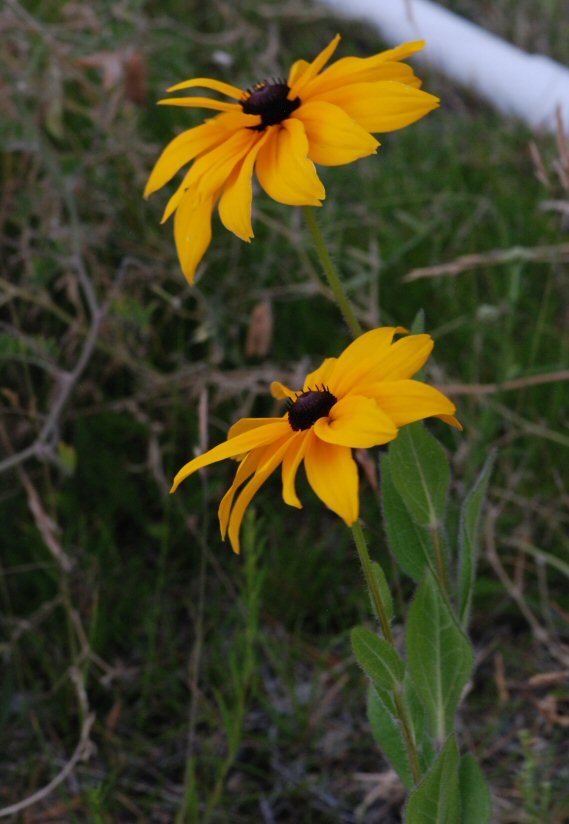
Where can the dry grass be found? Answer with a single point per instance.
(121, 614)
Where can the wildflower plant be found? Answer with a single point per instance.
(367, 396)
(280, 128)
(358, 400)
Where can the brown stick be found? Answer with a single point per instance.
(517, 254)
(505, 386)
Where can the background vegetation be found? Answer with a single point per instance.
(158, 675)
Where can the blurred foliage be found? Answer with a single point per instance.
(104, 576)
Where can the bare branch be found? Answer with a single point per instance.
(505, 386)
(538, 254)
(82, 752)
(68, 380)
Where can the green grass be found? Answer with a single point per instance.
(155, 610)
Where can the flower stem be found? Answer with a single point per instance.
(371, 582)
(331, 272)
(381, 612)
(408, 736)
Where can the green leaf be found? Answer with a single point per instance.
(421, 473)
(418, 325)
(439, 655)
(408, 542)
(387, 732)
(377, 658)
(384, 590)
(468, 538)
(419, 723)
(436, 800)
(476, 805)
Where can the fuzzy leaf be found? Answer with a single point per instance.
(387, 732)
(419, 723)
(436, 800)
(408, 542)
(468, 538)
(377, 658)
(476, 805)
(418, 325)
(439, 655)
(421, 473)
(381, 581)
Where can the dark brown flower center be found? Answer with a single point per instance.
(270, 101)
(309, 406)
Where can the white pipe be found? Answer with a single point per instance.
(527, 86)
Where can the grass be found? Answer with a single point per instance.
(224, 686)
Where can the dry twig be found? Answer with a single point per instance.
(82, 752)
(517, 254)
(558, 651)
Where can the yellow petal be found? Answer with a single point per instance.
(182, 150)
(176, 198)
(361, 358)
(260, 436)
(320, 376)
(280, 391)
(292, 460)
(383, 106)
(296, 70)
(283, 167)
(228, 124)
(247, 424)
(333, 137)
(358, 70)
(405, 401)
(200, 103)
(404, 50)
(208, 83)
(357, 422)
(333, 475)
(249, 491)
(313, 68)
(231, 121)
(192, 233)
(245, 469)
(343, 69)
(211, 171)
(403, 359)
(237, 198)
(381, 66)
(452, 421)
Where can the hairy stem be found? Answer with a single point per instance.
(371, 582)
(381, 612)
(331, 272)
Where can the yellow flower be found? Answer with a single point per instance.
(357, 400)
(280, 129)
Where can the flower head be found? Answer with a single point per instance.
(357, 400)
(280, 128)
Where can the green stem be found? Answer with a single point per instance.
(381, 612)
(408, 736)
(350, 317)
(371, 582)
(331, 272)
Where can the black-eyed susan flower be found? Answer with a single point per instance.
(357, 400)
(279, 129)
